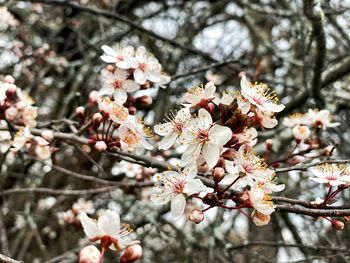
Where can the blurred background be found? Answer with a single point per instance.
(52, 49)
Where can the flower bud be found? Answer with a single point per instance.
(11, 113)
(132, 110)
(47, 135)
(97, 118)
(93, 97)
(89, 254)
(110, 68)
(196, 216)
(218, 174)
(337, 224)
(11, 90)
(101, 146)
(79, 111)
(269, 144)
(301, 132)
(9, 79)
(144, 100)
(131, 254)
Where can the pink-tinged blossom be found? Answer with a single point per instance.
(107, 230)
(301, 132)
(6, 19)
(172, 129)
(115, 111)
(22, 137)
(322, 118)
(261, 202)
(248, 137)
(297, 119)
(203, 137)
(117, 84)
(134, 136)
(331, 174)
(199, 95)
(260, 96)
(252, 165)
(148, 67)
(174, 187)
(42, 148)
(90, 254)
(122, 57)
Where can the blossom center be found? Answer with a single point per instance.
(117, 84)
(202, 136)
(179, 186)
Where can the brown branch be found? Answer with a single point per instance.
(119, 17)
(313, 11)
(5, 259)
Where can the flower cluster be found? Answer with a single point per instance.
(115, 124)
(217, 135)
(18, 109)
(303, 124)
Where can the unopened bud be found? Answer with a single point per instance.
(11, 90)
(210, 199)
(218, 174)
(93, 97)
(110, 68)
(132, 110)
(144, 100)
(79, 111)
(269, 144)
(101, 146)
(301, 132)
(131, 254)
(338, 225)
(197, 216)
(329, 150)
(47, 135)
(97, 118)
(89, 254)
(9, 79)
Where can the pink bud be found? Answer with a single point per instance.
(218, 174)
(337, 224)
(131, 254)
(110, 68)
(47, 135)
(101, 146)
(97, 118)
(9, 79)
(269, 144)
(93, 97)
(11, 89)
(144, 100)
(89, 254)
(132, 110)
(196, 216)
(79, 111)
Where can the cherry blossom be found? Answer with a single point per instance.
(262, 204)
(301, 132)
(173, 129)
(118, 84)
(22, 137)
(252, 165)
(203, 137)
(107, 230)
(174, 187)
(297, 119)
(134, 136)
(332, 174)
(321, 118)
(260, 96)
(199, 95)
(122, 57)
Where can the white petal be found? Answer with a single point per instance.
(120, 74)
(211, 154)
(90, 227)
(194, 186)
(319, 180)
(190, 155)
(220, 134)
(274, 107)
(167, 141)
(109, 51)
(268, 122)
(178, 204)
(204, 118)
(209, 90)
(163, 129)
(153, 76)
(109, 222)
(108, 59)
(120, 96)
(130, 85)
(139, 76)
